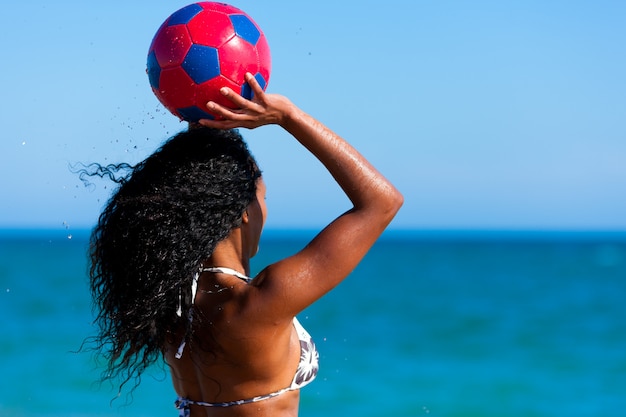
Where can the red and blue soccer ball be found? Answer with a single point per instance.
(201, 48)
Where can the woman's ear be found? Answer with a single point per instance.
(244, 217)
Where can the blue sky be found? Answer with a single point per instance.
(485, 114)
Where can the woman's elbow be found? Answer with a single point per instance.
(391, 202)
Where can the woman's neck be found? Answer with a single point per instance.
(228, 253)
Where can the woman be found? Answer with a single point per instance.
(171, 255)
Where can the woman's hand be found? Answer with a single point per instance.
(263, 109)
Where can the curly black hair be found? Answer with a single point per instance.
(164, 219)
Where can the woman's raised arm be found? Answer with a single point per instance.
(288, 286)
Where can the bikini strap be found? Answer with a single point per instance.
(179, 311)
(224, 270)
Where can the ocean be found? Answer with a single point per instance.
(441, 324)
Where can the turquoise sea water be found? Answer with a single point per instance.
(437, 324)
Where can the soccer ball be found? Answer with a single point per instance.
(201, 48)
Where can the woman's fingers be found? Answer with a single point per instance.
(247, 113)
(239, 101)
(221, 111)
(226, 118)
(256, 88)
(218, 124)
(235, 98)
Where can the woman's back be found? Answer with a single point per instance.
(237, 362)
